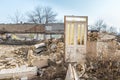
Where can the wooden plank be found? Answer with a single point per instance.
(71, 73)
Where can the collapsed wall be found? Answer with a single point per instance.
(102, 45)
(103, 61)
(48, 57)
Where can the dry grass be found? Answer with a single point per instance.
(102, 69)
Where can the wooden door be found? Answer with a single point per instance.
(75, 40)
(81, 39)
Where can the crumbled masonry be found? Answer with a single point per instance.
(48, 57)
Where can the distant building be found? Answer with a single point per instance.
(22, 28)
(54, 28)
(51, 28)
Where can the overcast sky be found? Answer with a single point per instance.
(108, 10)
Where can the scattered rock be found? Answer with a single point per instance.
(40, 63)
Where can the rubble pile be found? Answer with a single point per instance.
(92, 36)
(52, 72)
(48, 56)
(56, 68)
(106, 65)
(15, 58)
(118, 38)
(8, 48)
(118, 47)
(102, 69)
(106, 37)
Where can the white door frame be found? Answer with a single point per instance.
(71, 50)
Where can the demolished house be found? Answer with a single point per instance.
(82, 55)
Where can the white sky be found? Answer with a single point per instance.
(108, 10)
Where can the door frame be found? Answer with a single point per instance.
(86, 22)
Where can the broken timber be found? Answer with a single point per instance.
(71, 73)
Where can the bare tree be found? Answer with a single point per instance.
(104, 27)
(36, 16)
(49, 15)
(32, 18)
(42, 15)
(99, 25)
(17, 17)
